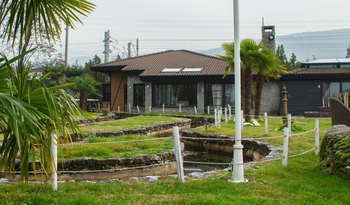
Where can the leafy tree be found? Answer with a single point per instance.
(98, 76)
(86, 85)
(73, 70)
(348, 52)
(280, 53)
(23, 18)
(293, 63)
(56, 75)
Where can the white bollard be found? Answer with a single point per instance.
(138, 109)
(289, 125)
(150, 108)
(317, 137)
(266, 125)
(216, 118)
(285, 147)
(208, 110)
(195, 110)
(163, 108)
(178, 156)
(179, 108)
(118, 109)
(219, 118)
(129, 108)
(229, 112)
(225, 115)
(54, 162)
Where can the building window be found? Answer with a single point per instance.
(106, 92)
(174, 94)
(139, 95)
(323, 66)
(230, 94)
(331, 89)
(213, 95)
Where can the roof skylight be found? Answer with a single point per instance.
(171, 70)
(198, 69)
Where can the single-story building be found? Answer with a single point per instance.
(311, 85)
(172, 78)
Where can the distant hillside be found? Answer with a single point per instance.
(321, 44)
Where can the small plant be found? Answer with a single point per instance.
(92, 138)
(295, 128)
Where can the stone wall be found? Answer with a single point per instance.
(270, 101)
(132, 79)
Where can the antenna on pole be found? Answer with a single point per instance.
(263, 21)
(129, 49)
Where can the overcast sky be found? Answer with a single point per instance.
(197, 24)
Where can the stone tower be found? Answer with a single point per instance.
(268, 37)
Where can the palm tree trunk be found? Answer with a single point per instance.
(83, 99)
(248, 81)
(259, 88)
(23, 48)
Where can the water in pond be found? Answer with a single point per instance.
(198, 156)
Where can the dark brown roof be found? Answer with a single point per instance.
(153, 64)
(319, 71)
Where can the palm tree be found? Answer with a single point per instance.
(31, 113)
(23, 18)
(268, 66)
(250, 54)
(86, 85)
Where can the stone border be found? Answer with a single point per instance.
(264, 149)
(98, 119)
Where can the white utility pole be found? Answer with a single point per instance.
(107, 51)
(129, 49)
(137, 47)
(238, 168)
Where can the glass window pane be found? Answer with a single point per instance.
(174, 94)
(139, 95)
(230, 94)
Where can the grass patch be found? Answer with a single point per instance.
(299, 183)
(125, 149)
(128, 123)
(297, 144)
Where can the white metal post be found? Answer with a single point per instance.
(179, 108)
(178, 156)
(219, 118)
(54, 162)
(216, 118)
(195, 110)
(229, 112)
(208, 110)
(289, 125)
(129, 108)
(225, 115)
(242, 119)
(317, 137)
(285, 147)
(118, 109)
(266, 125)
(138, 109)
(238, 167)
(163, 108)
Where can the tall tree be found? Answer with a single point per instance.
(268, 66)
(293, 63)
(31, 112)
(251, 55)
(280, 53)
(23, 18)
(86, 85)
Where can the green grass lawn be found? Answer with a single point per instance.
(300, 182)
(126, 149)
(297, 144)
(128, 123)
